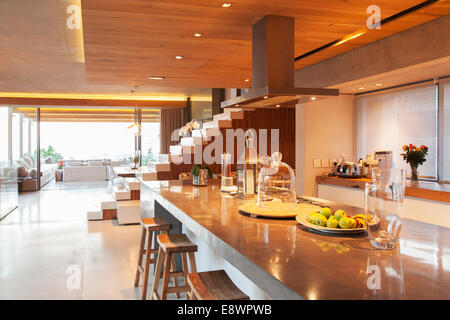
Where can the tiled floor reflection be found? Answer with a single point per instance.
(48, 250)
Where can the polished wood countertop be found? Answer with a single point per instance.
(283, 254)
(423, 189)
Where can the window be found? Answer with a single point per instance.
(4, 134)
(445, 174)
(390, 119)
(88, 140)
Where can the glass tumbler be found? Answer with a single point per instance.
(383, 205)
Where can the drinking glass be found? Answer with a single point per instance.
(383, 200)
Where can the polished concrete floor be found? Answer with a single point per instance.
(48, 249)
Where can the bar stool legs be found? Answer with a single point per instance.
(169, 245)
(149, 226)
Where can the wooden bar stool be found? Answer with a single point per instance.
(170, 244)
(214, 285)
(150, 226)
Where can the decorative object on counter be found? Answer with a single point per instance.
(383, 159)
(383, 200)
(349, 170)
(276, 209)
(60, 165)
(276, 181)
(186, 131)
(247, 171)
(200, 175)
(226, 180)
(339, 222)
(135, 159)
(415, 157)
(185, 177)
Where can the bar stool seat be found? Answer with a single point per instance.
(150, 226)
(155, 224)
(214, 285)
(176, 243)
(169, 245)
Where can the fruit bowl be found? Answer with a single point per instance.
(302, 218)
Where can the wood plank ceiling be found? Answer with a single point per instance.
(125, 42)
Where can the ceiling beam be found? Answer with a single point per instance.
(92, 102)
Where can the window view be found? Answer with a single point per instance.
(4, 134)
(86, 140)
(389, 120)
(150, 141)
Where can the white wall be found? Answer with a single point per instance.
(324, 130)
(423, 210)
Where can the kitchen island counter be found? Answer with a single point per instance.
(288, 261)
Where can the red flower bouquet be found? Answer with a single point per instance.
(415, 157)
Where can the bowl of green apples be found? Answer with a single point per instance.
(337, 222)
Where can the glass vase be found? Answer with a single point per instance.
(414, 173)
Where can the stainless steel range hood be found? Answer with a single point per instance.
(273, 67)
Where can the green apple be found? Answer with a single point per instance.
(326, 212)
(321, 220)
(332, 222)
(312, 217)
(353, 223)
(345, 223)
(339, 214)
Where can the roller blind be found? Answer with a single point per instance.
(391, 119)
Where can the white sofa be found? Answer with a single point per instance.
(85, 173)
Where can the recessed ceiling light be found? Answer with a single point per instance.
(313, 98)
(277, 106)
(156, 78)
(378, 84)
(247, 80)
(226, 5)
(361, 88)
(179, 57)
(237, 105)
(265, 97)
(198, 34)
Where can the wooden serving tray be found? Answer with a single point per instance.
(274, 209)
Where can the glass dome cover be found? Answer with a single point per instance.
(276, 181)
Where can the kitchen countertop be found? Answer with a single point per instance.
(423, 189)
(287, 260)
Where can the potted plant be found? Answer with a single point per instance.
(415, 157)
(200, 175)
(135, 159)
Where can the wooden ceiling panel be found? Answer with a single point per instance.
(150, 34)
(127, 41)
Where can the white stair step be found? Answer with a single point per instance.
(94, 214)
(159, 166)
(176, 150)
(107, 201)
(227, 110)
(191, 141)
(163, 158)
(229, 116)
(109, 204)
(129, 212)
(211, 132)
(121, 193)
(148, 176)
(133, 183)
(197, 133)
(179, 150)
(218, 124)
